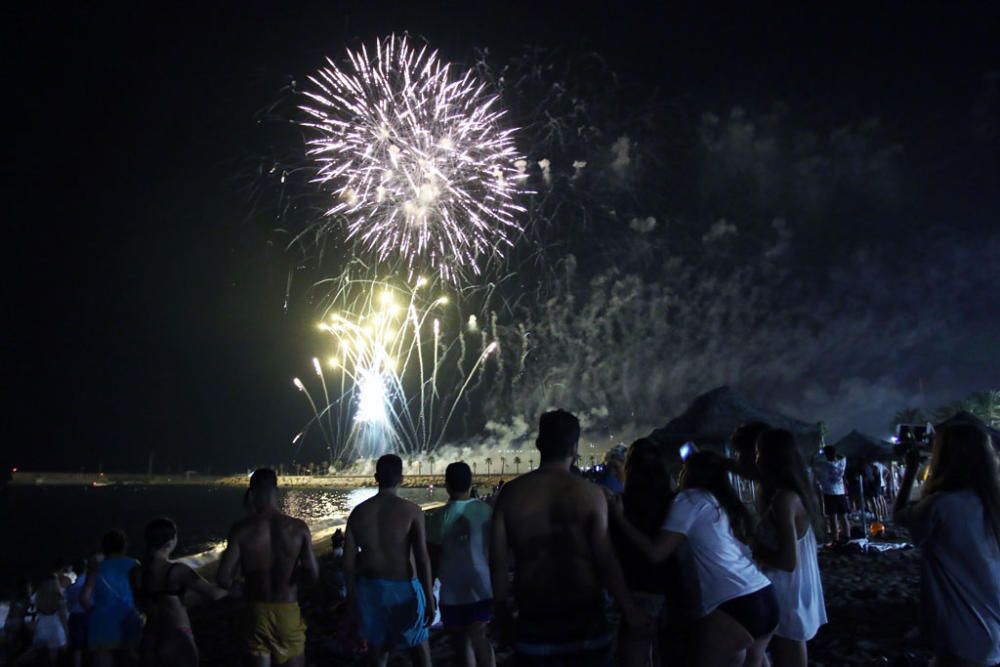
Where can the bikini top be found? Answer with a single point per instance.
(157, 595)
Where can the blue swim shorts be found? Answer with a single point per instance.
(391, 613)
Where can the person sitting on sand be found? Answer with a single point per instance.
(395, 605)
(160, 585)
(737, 609)
(273, 553)
(787, 508)
(458, 542)
(830, 469)
(956, 526)
(114, 627)
(556, 525)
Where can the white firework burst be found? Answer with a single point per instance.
(416, 157)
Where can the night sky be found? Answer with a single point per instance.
(145, 303)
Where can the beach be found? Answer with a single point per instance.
(872, 603)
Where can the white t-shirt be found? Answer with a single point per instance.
(830, 475)
(462, 529)
(721, 563)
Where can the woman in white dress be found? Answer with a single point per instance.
(787, 552)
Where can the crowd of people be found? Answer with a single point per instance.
(672, 556)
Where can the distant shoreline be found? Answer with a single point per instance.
(32, 478)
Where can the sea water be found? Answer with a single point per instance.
(39, 524)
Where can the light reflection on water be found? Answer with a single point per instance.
(322, 509)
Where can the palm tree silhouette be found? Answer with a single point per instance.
(503, 464)
(517, 465)
(489, 463)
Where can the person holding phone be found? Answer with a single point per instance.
(956, 526)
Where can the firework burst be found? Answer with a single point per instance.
(386, 392)
(416, 158)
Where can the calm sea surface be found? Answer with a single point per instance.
(41, 523)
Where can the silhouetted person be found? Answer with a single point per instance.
(556, 525)
(50, 637)
(956, 526)
(389, 581)
(458, 541)
(737, 609)
(159, 586)
(657, 588)
(77, 614)
(613, 476)
(787, 509)
(114, 628)
(273, 553)
(830, 469)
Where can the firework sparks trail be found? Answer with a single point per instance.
(416, 157)
(389, 386)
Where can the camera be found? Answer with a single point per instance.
(912, 436)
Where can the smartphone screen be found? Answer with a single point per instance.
(686, 449)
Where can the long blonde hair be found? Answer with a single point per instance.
(963, 458)
(49, 595)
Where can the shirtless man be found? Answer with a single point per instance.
(388, 570)
(556, 524)
(273, 551)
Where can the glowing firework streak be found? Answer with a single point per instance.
(389, 389)
(416, 157)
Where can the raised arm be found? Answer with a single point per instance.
(422, 560)
(225, 576)
(900, 509)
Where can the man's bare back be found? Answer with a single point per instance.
(549, 517)
(273, 551)
(385, 529)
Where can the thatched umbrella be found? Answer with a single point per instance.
(858, 446)
(711, 419)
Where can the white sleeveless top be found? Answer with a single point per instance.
(800, 593)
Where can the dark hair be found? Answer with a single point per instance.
(458, 477)
(80, 566)
(158, 533)
(781, 466)
(708, 471)
(389, 471)
(263, 482)
(830, 451)
(744, 438)
(963, 458)
(558, 435)
(263, 479)
(648, 489)
(113, 542)
(59, 564)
